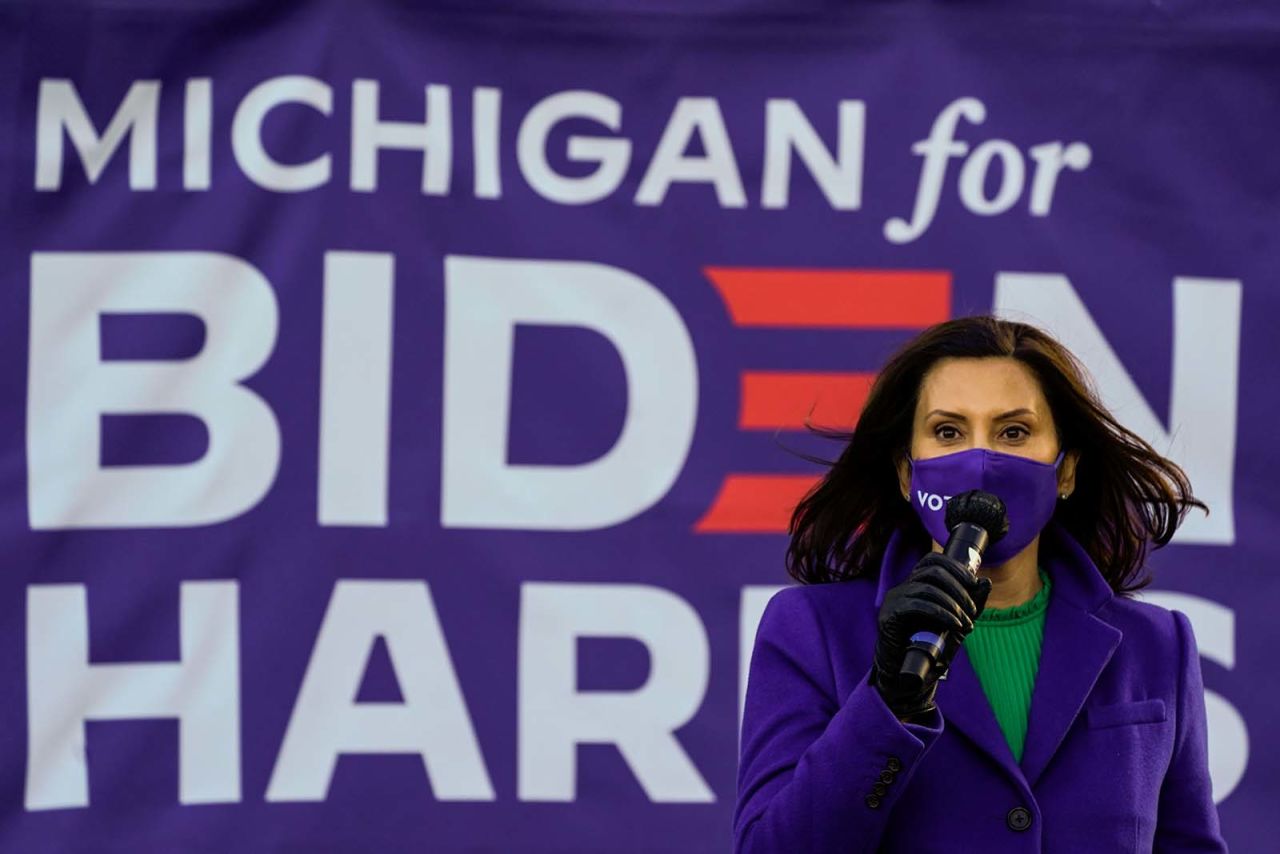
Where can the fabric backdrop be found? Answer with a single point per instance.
(403, 402)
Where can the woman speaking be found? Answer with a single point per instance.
(1061, 714)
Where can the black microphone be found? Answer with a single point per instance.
(975, 519)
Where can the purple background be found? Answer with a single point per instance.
(1180, 107)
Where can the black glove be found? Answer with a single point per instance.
(940, 595)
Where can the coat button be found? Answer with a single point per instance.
(893, 764)
(879, 788)
(873, 802)
(886, 777)
(1019, 818)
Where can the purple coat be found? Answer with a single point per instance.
(1115, 757)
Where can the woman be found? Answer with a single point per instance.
(1072, 719)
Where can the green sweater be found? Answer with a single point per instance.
(1004, 649)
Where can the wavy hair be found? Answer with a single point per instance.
(1127, 495)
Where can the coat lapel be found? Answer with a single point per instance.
(1076, 648)
(964, 705)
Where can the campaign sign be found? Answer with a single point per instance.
(404, 402)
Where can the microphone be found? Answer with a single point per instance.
(975, 519)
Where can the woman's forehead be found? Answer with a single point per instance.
(986, 386)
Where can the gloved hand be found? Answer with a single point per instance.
(940, 595)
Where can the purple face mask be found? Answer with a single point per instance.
(1028, 488)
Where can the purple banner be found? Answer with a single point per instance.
(402, 401)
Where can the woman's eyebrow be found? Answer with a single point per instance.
(1012, 413)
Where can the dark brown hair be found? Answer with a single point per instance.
(1126, 495)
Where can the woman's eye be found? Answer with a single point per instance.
(946, 432)
(1016, 433)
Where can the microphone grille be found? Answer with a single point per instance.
(979, 508)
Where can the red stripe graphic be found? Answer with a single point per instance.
(784, 400)
(755, 503)
(848, 299)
